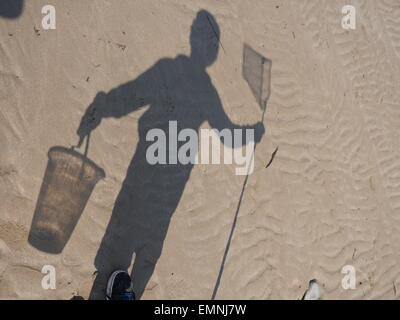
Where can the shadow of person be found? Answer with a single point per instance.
(178, 90)
(11, 8)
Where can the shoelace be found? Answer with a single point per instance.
(123, 296)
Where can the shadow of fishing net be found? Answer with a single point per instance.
(257, 72)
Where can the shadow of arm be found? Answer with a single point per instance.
(118, 102)
(219, 120)
(127, 97)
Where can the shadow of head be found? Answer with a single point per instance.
(204, 39)
(11, 8)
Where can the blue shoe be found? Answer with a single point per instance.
(119, 286)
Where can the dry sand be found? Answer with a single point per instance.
(330, 198)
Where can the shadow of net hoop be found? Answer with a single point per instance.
(257, 72)
(67, 185)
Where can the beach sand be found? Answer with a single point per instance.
(330, 198)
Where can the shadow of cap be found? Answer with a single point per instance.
(11, 8)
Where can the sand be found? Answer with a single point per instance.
(330, 198)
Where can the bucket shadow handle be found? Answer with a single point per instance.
(80, 142)
(81, 139)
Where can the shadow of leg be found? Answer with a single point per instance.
(118, 243)
(143, 268)
(111, 256)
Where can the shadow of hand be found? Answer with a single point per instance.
(92, 117)
(259, 131)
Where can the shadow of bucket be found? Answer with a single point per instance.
(67, 185)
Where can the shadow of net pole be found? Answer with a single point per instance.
(257, 73)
